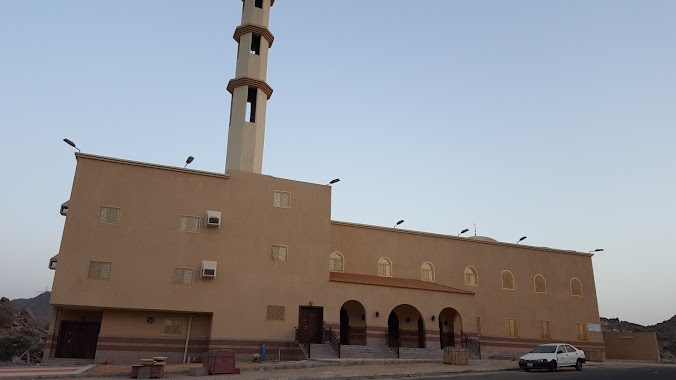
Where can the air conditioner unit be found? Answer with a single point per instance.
(208, 269)
(213, 219)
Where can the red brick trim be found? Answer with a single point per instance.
(251, 82)
(256, 29)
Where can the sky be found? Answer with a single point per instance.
(554, 120)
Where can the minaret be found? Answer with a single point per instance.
(250, 92)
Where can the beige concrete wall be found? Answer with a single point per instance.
(632, 346)
(146, 245)
(361, 247)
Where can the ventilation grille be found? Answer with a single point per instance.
(109, 215)
(282, 199)
(173, 326)
(183, 276)
(190, 223)
(278, 253)
(275, 313)
(99, 269)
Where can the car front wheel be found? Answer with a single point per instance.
(552, 366)
(578, 365)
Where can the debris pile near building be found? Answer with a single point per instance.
(20, 325)
(666, 334)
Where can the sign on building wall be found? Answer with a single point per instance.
(594, 327)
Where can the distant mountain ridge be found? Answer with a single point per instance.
(38, 305)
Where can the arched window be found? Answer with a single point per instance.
(427, 272)
(384, 267)
(471, 277)
(575, 287)
(540, 284)
(336, 261)
(507, 280)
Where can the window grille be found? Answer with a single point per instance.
(173, 326)
(109, 215)
(384, 267)
(512, 327)
(275, 313)
(575, 287)
(471, 277)
(540, 284)
(582, 332)
(507, 280)
(282, 199)
(427, 272)
(336, 262)
(99, 269)
(278, 253)
(183, 276)
(190, 223)
(545, 330)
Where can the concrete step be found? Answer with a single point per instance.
(66, 362)
(366, 352)
(322, 351)
(421, 353)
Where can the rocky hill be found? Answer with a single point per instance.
(39, 306)
(21, 324)
(666, 334)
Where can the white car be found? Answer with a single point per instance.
(552, 356)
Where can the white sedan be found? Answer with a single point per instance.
(551, 356)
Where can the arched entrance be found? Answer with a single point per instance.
(407, 325)
(353, 323)
(450, 325)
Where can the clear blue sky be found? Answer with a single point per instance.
(550, 119)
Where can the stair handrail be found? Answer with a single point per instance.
(473, 346)
(334, 341)
(392, 342)
(304, 340)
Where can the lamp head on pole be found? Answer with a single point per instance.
(522, 239)
(189, 160)
(334, 181)
(597, 250)
(463, 231)
(398, 223)
(69, 142)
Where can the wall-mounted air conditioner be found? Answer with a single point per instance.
(213, 219)
(208, 269)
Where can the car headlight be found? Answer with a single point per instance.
(542, 360)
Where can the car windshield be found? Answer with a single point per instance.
(544, 349)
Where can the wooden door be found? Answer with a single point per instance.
(77, 340)
(311, 322)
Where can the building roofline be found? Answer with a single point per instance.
(148, 165)
(463, 239)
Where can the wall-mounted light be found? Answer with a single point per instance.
(69, 142)
(433, 317)
(310, 302)
(408, 319)
(363, 317)
(377, 314)
(445, 323)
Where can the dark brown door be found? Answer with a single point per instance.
(421, 333)
(311, 322)
(344, 326)
(77, 340)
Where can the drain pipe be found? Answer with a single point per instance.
(187, 339)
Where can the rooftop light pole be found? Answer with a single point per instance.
(522, 239)
(334, 181)
(463, 231)
(597, 250)
(71, 144)
(398, 223)
(189, 160)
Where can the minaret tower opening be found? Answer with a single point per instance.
(250, 92)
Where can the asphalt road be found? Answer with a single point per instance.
(649, 373)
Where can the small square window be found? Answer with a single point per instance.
(278, 253)
(109, 215)
(183, 276)
(173, 326)
(100, 269)
(190, 223)
(275, 313)
(282, 199)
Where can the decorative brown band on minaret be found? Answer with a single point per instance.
(272, 2)
(256, 29)
(244, 81)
